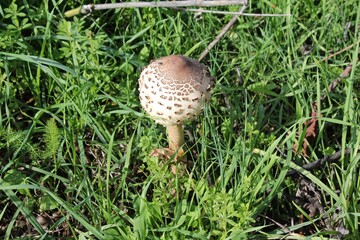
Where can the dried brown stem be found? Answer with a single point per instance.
(234, 13)
(334, 83)
(320, 162)
(87, 9)
(184, 3)
(341, 51)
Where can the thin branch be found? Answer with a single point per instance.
(284, 228)
(320, 162)
(334, 83)
(234, 13)
(186, 3)
(341, 51)
(222, 33)
(87, 9)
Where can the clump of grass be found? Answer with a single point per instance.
(87, 169)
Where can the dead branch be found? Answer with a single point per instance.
(284, 228)
(87, 9)
(320, 162)
(334, 83)
(341, 51)
(234, 13)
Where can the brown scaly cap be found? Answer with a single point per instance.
(173, 89)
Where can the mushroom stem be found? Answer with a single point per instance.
(176, 139)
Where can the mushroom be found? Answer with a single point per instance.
(173, 90)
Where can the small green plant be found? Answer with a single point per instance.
(51, 139)
(16, 141)
(15, 21)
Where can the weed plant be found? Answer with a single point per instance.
(75, 143)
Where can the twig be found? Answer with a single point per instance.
(221, 34)
(341, 51)
(334, 83)
(284, 228)
(318, 163)
(234, 13)
(87, 9)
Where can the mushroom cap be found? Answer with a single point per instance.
(173, 89)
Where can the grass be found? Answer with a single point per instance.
(75, 143)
